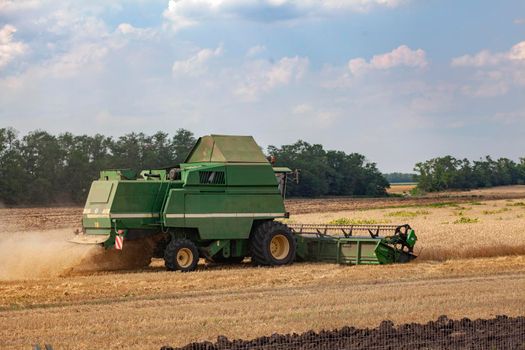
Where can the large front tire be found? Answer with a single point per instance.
(272, 243)
(182, 255)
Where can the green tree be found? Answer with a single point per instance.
(182, 143)
(13, 179)
(329, 172)
(42, 162)
(449, 173)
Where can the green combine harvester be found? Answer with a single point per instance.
(224, 203)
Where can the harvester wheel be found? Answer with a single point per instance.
(181, 254)
(272, 243)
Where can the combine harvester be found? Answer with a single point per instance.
(224, 204)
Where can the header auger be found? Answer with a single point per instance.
(224, 203)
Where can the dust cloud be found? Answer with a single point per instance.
(134, 255)
(47, 254)
(39, 254)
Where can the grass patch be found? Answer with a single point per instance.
(348, 221)
(417, 192)
(498, 211)
(517, 204)
(441, 205)
(466, 220)
(407, 213)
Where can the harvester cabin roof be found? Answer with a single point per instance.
(226, 149)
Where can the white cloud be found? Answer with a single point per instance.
(174, 15)
(126, 28)
(517, 52)
(262, 77)
(486, 58)
(185, 13)
(10, 6)
(196, 64)
(401, 56)
(255, 50)
(519, 21)
(129, 30)
(496, 72)
(9, 49)
(481, 59)
(81, 57)
(67, 42)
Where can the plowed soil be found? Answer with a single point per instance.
(498, 333)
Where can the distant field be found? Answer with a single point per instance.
(401, 187)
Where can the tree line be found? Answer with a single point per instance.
(44, 169)
(329, 173)
(447, 172)
(40, 168)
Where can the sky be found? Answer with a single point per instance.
(399, 81)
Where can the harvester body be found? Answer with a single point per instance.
(220, 204)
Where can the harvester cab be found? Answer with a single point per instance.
(223, 204)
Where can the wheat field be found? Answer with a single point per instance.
(471, 264)
(449, 230)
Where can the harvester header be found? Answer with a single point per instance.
(223, 204)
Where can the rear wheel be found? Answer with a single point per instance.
(181, 254)
(272, 243)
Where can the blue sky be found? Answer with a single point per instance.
(399, 81)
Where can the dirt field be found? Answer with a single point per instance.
(472, 265)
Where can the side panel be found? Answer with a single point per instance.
(221, 215)
(137, 204)
(252, 175)
(173, 215)
(95, 217)
(131, 204)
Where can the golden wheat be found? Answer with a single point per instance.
(450, 232)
